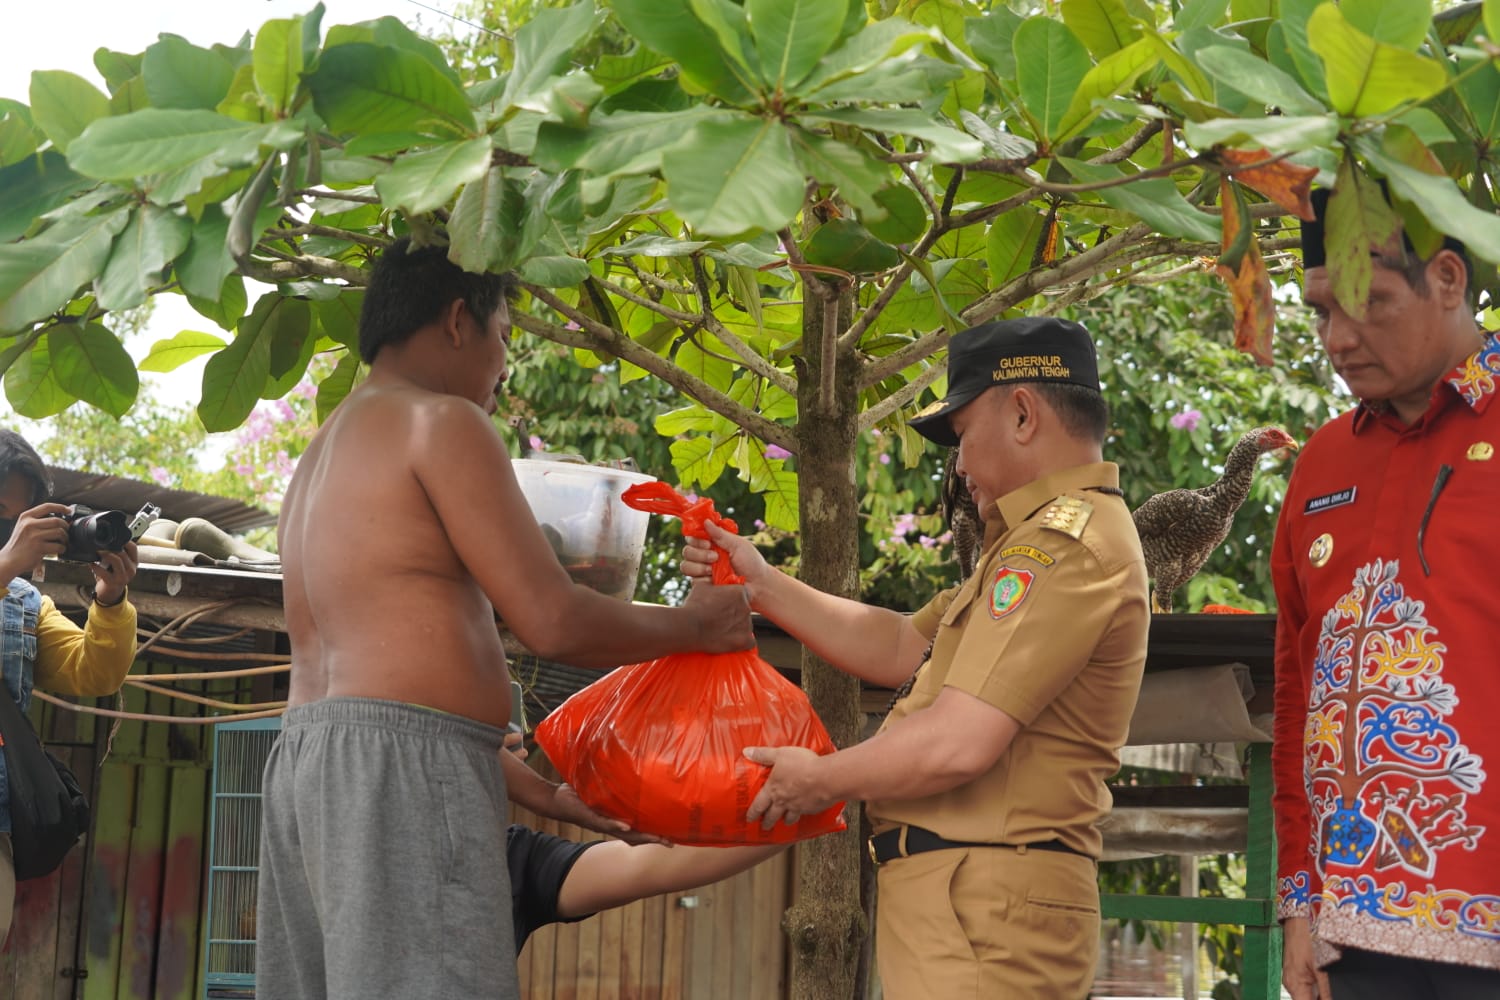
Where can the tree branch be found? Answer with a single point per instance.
(1129, 147)
(293, 267)
(757, 364)
(338, 234)
(596, 336)
(360, 199)
(1049, 187)
(902, 396)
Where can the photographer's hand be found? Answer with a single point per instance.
(112, 574)
(39, 532)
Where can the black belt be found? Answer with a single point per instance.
(888, 845)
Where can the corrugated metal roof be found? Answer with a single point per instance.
(103, 492)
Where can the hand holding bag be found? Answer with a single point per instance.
(48, 812)
(660, 745)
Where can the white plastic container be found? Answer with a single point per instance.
(597, 538)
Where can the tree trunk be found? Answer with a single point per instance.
(826, 923)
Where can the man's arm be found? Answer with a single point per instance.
(953, 741)
(615, 873)
(92, 660)
(462, 464)
(875, 644)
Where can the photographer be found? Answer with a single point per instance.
(40, 646)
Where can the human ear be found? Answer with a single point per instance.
(453, 328)
(1447, 275)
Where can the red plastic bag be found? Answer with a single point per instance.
(660, 744)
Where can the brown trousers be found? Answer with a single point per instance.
(989, 923)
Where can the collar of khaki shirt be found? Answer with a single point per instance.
(1018, 505)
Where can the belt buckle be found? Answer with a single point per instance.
(870, 846)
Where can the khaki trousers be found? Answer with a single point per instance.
(989, 923)
(7, 886)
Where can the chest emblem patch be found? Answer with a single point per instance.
(1330, 500)
(1321, 550)
(1010, 589)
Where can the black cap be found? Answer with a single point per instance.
(1030, 349)
(1315, 254)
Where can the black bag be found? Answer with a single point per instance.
(48, 812)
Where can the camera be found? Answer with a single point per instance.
(93, 531)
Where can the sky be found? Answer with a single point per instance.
(48, 35)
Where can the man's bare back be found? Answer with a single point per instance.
(404, 526)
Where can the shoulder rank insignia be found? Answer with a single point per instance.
(1068, 515)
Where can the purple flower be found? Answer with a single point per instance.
(885, 459)
(902, 526)
(160, 476)
(760, 525)
(537, 444)
(777, 451)
(1187, 420)
(928, 542)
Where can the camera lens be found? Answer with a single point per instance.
(106, 531)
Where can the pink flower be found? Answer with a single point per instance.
(928, 542)
(160, 476)
(902, 526)
(760, 525)
(1187, 420)
(885, 459)
(777, 451)
(537, 444)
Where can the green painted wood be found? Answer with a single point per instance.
(104, 899)
(142, 918)
(179, 942)
(1260, 977)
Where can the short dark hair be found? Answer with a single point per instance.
(411, 286)
(1081, 409)
(17, 458)
(1414, 269)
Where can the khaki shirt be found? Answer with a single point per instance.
(1050, 629)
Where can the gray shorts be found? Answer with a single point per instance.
(382, 857)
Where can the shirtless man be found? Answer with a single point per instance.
(381, 871)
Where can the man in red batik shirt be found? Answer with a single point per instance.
(1387, 678)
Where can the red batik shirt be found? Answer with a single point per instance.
(1388, 679)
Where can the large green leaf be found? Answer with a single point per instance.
(233, 378)
(713, 367)
(733, 176)
(869, 50)
(288, 323)
(174, 352)
(485, 230)
(543, 49)
(946, 144)
(152, 240)
(792, 35)
(1257, 78)
(671, 28)
(373, 88)
(421, 182)
(903, 215)
(155, 140)
(1200, 13)
(1402, 23)
(31, 384)
(336, 387)
(33, 187)
(117, 67)
(1479, 90)
(1050, 64)
(1155, 201)
(39, 276)
(19, 136)
(726, 19)
(1113, 75)
(1360, 223)
(992, 38)
(551, 271)
(1105, 26)
(201, 270)
(277, 62)
(179, 74)
(1367, 77)
(227, 307)
(848, 246)
(338, 318)
(1492, 19)
(629, 140)
(1279, 134)
(91, 363)
(1011, 244)
(909, 78)
(1440, 201)
(698, 461)
(855, 173)
(63, 105)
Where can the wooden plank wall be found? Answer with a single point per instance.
(125, 907)
(725, 943)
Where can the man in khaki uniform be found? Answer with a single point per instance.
(986, 781)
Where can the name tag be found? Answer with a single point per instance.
(1330, 500)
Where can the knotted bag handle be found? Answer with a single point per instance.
(657, 497)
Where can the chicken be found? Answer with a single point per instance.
(1180, 529)
(961, 516)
